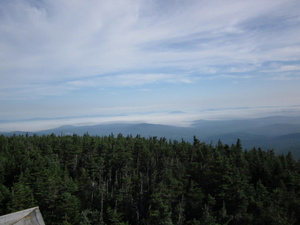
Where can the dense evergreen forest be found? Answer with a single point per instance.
(133, 180)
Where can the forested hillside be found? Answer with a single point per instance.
(135, 180)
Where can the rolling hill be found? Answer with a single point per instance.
(279, 133)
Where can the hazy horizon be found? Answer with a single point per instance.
(168, 62)
(174, 118)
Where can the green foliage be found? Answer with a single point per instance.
(133, 180)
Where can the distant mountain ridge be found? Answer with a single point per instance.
(279, 133)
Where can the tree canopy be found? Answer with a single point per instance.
(134, 180)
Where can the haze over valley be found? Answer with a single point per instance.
(280, 133)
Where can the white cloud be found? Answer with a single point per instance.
(61, 39)
(128, 80)
(58, 47)
(290, 68)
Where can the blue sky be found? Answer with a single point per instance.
(90, 61)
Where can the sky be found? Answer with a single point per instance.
(81, 62)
